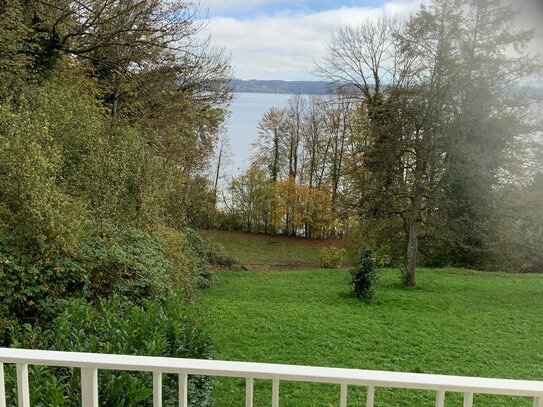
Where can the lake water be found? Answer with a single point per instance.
(246, 111)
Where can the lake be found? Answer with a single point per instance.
(246, 111)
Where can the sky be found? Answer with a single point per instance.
(281, 39)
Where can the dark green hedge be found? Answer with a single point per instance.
(115, 326)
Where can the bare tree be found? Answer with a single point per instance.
(363, 58)
(295, 122)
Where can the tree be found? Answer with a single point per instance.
(485, 136)
(294, 131)
(445, 99)
(110, 112)
(253, 199)
(299, 206)
(315, 144)
(338, 125)
(15, 55)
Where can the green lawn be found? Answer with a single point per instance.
(456, 322)
(262, 252)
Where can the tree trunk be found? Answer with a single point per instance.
(217, 175)
(413, 238)
(275, 165)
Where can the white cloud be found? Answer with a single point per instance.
(286, 45)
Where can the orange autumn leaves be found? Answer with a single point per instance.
(299, 206)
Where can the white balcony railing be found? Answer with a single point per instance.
(89, 363)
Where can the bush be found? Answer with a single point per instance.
(127, 262)
(363, 276)
(404, 276)
(119, 261)
(207, 257)
(170, 329)
(383, 236)
(330, 257)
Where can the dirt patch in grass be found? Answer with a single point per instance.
(278, 266)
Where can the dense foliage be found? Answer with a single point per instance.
(116, 326)
(109, 115)
(108, 119)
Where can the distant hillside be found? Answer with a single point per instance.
(276, 86)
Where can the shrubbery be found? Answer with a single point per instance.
(115, 326)
(330, 257)
(96, 190)
(363, 276)
(125, 262)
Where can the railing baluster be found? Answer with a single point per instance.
(157, 389)
(89, 387)
(2, 387)
(440, 398)
(89, 364)
(22, 385)
(343, 396)
(275, 393)
(183, 390)
(370, 397)
(249, 392)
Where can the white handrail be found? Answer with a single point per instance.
(91, 362)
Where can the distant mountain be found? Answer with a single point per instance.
(276, 86)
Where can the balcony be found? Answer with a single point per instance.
(90, 363)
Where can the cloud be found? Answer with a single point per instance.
(287, 44)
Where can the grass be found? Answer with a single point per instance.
(455, 322)
(262, 252)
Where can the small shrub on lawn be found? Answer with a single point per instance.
(404, 276)
(363, 276)
(330, 257)
(115, 326)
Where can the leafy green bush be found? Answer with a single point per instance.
(207, 257)
(383, 236)
(209, 252)
(122, 261)
(330, 257)
(169, 329)
(118, 261)
(363, 276)
(126, 262)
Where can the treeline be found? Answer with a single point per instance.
(294, 184)
(431, 153)
(109, 115)
(277, 86)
